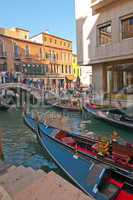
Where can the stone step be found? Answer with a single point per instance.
(23, 183)
(4, 195)
(51, 187)
(14, 175)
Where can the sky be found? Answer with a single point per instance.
(56, 16)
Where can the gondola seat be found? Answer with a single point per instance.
(123, 195)
(86, 151)
(115, 182)
(119, 158)
(68, 140)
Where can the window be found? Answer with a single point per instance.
(50, 40)
(64, 44)
(52, 56)
(61, 43)
(51, 68)
(1, 47)
(66, 69)
(54, 69)
(69, 69)
(57, 69)
(16, 50)
(69, 45)
(62, 69)
(27, 52)
(57, 56)
(45, 39)
(46, 68)
(25, 37)
(127, 28)
(55, 41)
(47, 55)
(105, 34)
(40, 52)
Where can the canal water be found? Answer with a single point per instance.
(20, 146)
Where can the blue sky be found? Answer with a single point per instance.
(37, 16)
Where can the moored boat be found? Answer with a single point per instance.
(94, 178)
(118, 156)
(66, 104)
(113, 116)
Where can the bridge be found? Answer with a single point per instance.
(36, 92)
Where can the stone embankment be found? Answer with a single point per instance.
(20, 183)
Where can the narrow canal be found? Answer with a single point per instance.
(20, 146)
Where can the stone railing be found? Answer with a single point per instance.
(36, 92)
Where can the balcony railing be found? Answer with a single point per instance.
(96, 4)
(17, 57)
(28, 56)
(3, 54)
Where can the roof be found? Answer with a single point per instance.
(21, 29)
(59, 48)
(27, 41)
(43, 33)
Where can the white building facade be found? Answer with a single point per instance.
(105, 42)
(85, 75)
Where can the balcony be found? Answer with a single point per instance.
(3, 54)
(54, 75)
(28, 57)
(96, 4)
(17, 57)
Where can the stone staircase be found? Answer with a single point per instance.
(20, 183)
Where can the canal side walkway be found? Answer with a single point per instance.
(21, 183)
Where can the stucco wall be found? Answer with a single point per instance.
(88, 50)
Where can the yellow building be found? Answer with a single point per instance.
(58, 56)
(15, 32)
(75, 66)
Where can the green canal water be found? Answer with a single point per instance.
(20, 146)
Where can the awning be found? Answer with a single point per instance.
(70, 77)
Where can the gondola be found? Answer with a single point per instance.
(113, 116)
(86, 146)
(95, 179)
(64, 104)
